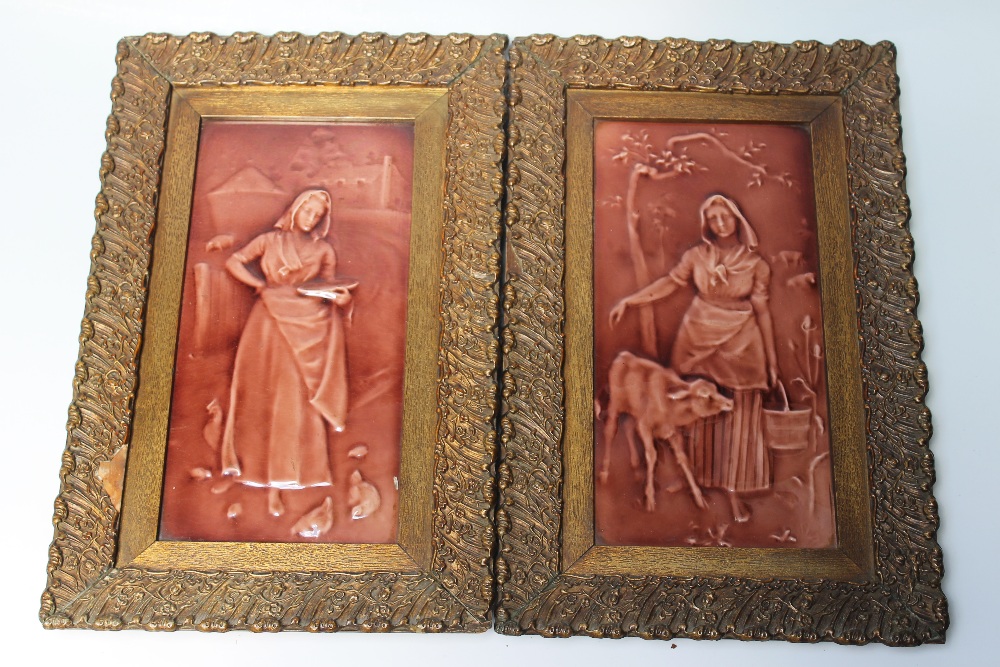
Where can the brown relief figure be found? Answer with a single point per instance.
(290, 379)
(687, 351)
(727, 337)
(286, 418)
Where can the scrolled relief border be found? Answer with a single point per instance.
(529, 517)
(84, 589)
(904, 603)
(464, 492)
(416, 59)
(85, 517)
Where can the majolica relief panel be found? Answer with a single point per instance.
(275, 281)
(716, 392)
(710, 383)
(602, 185)
(286, 416)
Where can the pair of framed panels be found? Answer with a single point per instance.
(585, 336)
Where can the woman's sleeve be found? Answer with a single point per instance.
(252, 250)
(681, 273)
(328, 263)
(761, 281)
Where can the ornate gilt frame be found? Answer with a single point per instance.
(884, 582)
(106, 567)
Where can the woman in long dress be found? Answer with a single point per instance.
(727, 336)
(289, 385)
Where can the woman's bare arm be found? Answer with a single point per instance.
(658, 289)
(239, 271)
(763, 312)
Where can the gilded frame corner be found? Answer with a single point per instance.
(883, 584)
(106, 568)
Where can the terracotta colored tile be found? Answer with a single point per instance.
(775, 464)
(297, 357)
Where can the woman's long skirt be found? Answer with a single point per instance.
(728, 451)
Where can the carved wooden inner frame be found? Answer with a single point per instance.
(106, 568)
(821, 116)
(883, 581)
(427, 109)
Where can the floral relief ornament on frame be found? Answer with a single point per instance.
(427, 567)
(871, 568)
(694, 229)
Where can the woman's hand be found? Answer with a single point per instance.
(618, 312)
(237, 269)
(342, 297)
(772, 375)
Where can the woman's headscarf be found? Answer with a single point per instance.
(289, 222)
(288, 219)
(745, 232)
(741, 259)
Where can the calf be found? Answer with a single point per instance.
(660, 403)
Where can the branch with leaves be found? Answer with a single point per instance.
(673, 160)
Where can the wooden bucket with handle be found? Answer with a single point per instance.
(787, 430)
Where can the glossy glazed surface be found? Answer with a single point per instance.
(287, 405)
(716, 278)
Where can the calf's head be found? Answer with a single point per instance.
(700, 399)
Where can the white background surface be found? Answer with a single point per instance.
(60, 62)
